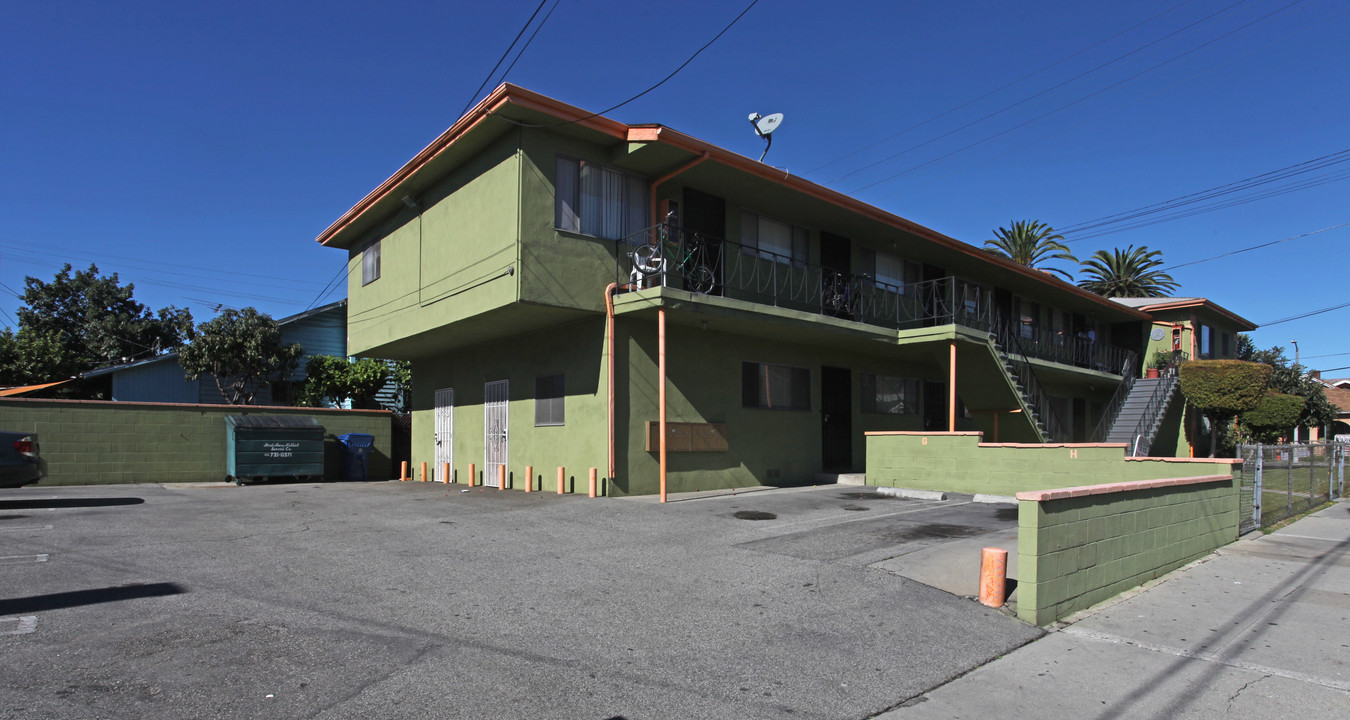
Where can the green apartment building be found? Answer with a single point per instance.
(577, 292)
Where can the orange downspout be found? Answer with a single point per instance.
(951, 392)
(661, 392)
(609, 344)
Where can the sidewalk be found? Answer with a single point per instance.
(1259, 629)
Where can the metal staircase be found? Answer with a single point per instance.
(1138, 410)
(1035, 402)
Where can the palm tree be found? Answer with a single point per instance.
(1127, 273)
(1030, 243)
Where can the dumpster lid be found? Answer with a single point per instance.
(273, 421)
(357, 440)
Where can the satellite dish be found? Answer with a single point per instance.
(764, 126)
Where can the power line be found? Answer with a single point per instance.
(663, 80)
(526, 46)
(995, 91)
(66, 255)
(1305, 315)
(1254, 247)
(1068, 105)
(492, 72)
(1314, 357)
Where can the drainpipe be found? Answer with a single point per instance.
(951, 391)
(661, 327)
(661, 378)
(609, 342)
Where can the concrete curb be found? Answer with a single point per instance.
(995, 499)
(910, 494)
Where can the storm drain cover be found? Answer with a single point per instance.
(755, 515)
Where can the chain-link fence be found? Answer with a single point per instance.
(1280, 481)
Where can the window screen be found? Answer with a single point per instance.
(548, 400)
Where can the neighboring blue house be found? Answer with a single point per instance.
(321, 331)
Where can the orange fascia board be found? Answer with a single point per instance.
(15, 391)
(1055, 445)
(505, 93)
(943, 433)
(1243, 323)
(1109, 488)
(674, 138)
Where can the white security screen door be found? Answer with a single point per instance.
(445, 433)
(495, 397)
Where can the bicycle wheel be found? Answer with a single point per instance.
(647, 259)
(700, 280)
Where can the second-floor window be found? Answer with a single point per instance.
(595, 200)
(370, 263)
(773, 239)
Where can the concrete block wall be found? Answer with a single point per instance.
(1079, 546)
(97, 442)
(960, 462)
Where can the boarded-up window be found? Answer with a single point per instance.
(775, 387)
(548, 400)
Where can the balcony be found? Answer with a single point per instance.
(711, 266)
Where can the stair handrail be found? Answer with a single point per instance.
(1162, 393)
(1112, 411)
(1036, 397)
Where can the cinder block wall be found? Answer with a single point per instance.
(96, 442)
(959, 462)
(1076, 551)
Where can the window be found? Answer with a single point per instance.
(890, 272)
(1227, 348)
(370, 263)
(886, 395)
(548, 400)
(774, 240)
(775, 387)
(1206, 342)
(593, 200)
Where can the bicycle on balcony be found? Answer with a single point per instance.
(691, 260)
(840, 296)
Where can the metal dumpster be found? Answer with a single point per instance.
(356, 455)
(263, 446)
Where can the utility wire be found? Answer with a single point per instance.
(1253, 247)
(1029, 98)
(1304, 315)
(644, 92)
(1066, 106)
(486, 80)
(526, 46)
(995, 91)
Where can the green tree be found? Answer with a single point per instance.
(1291, 379)
(337, 378)
(27, 357)
(1273, 417)
(1127, 273)
(97, 321)
(1223, 388)
(242, 351)
(1031, 243)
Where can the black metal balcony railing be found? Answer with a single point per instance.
(701, 264)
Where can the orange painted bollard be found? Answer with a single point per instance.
(424, 472)
(501, 477)
(445, 473)
(403, 471)
(593, 483)
(529, 478)
(993, 576)
(473, 474)
(561, 475)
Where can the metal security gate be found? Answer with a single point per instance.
(1280, 481)
(445, 433)
(495, 397)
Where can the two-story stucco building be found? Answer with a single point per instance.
(578, 292)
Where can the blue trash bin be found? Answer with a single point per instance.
(356, 449)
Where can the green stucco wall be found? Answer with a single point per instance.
(447, 261)
(958, 463)
(93, 442)
(1076, 552)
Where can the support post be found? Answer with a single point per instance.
(951, 390)
(993, 576)
(562, 474)
(473, 474)
(529, 478)
(501, 476)
(424, 471)
(661, 392)
(445, 473)
(403, 471)
(593, 482)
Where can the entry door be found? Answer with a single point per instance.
(834, 276)
(934, 406)
(495, 397)
(705, 216)
(445, 433)
(836, 418)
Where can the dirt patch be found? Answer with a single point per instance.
(754, 515)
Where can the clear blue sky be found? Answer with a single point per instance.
(197, 149)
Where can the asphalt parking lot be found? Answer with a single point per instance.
(382, 600)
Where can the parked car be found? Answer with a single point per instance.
(20, 462)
